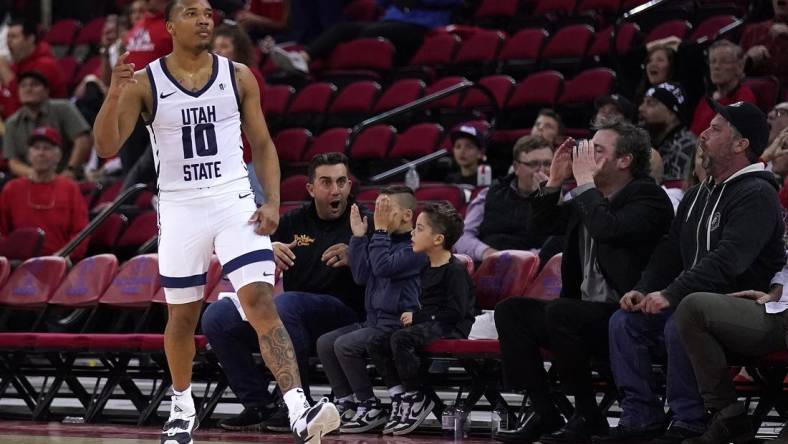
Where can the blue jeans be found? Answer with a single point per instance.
(305, 316)
(635, 339)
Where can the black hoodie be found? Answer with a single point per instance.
(725, 237)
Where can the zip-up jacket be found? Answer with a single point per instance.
(725, 237)
(390, 269)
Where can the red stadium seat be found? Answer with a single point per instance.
(86, 282)
(500, 86)
(68, 66)
(576, 102)
(373, 142)
(538, 90)
(292, 143)
(33, 282)
(449, 101)
(451, 193)
(709, 28)
(399, 93)
(567, 48)
(353, 103)
(547, 284)
(436, 50)
(277, 99)
(22, 244)
(141, 229)
(294, 188)
(521, 52)
(766, 90)
(417, 141)
(90, 34)
(89, 66)
(333, 140)
(367, 57)
(588, 85)
(135, 284)
(107, 195)
(477, 53)
(107, 233)
(503, 275)
(310, 105)
(672, 28)
(628, 34)
(368, 195)
(62, 32)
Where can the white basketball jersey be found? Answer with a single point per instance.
(196, 135)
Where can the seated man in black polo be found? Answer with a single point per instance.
(320, 295)
(611, 225)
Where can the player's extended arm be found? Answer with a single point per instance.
(264, 157)
(121, 108)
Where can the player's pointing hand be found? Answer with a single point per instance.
(122, 75)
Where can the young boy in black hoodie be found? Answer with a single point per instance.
(447, 311)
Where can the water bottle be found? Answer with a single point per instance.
(483, 176)
(499, 419)
(412, 179)
(447, 420)
(462, 423)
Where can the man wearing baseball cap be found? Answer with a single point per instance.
(661, 114)
(726, 238)
(39, 110)
(613, 106)
(714, 323)
(43, 199)
(469, 140)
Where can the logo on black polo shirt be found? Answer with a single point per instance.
(715, 221)
(303, 240)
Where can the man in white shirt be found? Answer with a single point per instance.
(747, 323)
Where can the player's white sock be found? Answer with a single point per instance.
(296, 403)
(182, 402)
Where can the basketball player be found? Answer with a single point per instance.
(195, 104)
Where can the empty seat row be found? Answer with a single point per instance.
(320, 105)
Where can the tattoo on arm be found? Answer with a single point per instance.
(279, 356)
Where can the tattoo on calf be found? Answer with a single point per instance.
(279, 356)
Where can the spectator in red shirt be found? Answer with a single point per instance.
(28, 54)
(44, 199)
(726, 68)
(148, 38)
(766, 44)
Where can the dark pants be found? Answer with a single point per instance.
(406, 37)
(305, 316)
(635, 340)
(396, 356)
(343, 353)
(573, 330)
(711, 325)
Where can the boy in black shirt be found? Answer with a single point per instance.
(447, 311)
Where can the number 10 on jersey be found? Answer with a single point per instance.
(204, 140)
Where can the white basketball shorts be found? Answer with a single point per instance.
(193, 224)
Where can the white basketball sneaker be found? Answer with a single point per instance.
(182, 423)
(315, 422)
